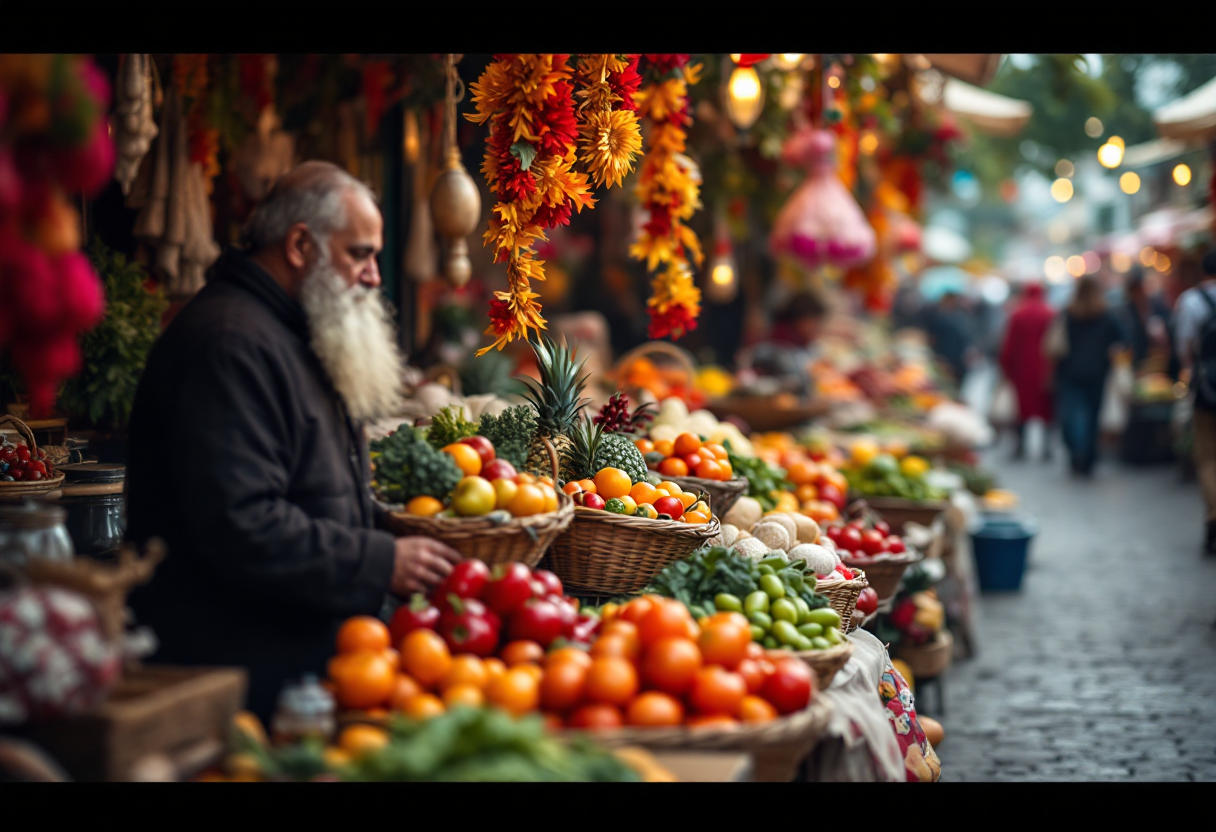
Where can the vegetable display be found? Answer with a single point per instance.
(885, 476)
(511, 432)
(762, 479)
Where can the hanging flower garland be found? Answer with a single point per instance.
(668, 189)
(538, 134)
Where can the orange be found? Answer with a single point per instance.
(393, 656)
(596, 717)
(524, 478)
(612, 482)
(666, 619)
(494, 667)
(694, 518)
(533, 670)
(423, 506)
(567, 654)
(466, 457)
(522, 652)
(709, 469)
(654, 709)
(363, 632)
(687, 443)
(643, 492)
(423, 706)
(728, 472)
(357, 740)
(665, 447)
(465, 670)
(404, 688)
(588, 486)
(363, 680)
(469, 695)
(802, 472)
(550, 497)
(545, 481)
(562, 686)
(425, 656)
(571, 488)
(686, 498)
(671, 488)
(611, 680)
(673, 466)
(715, 450)
(528, 500)
(806, 492)
(644, 446)
(516, 691)
(753, 709)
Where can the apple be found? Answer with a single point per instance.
(670, 506)
(593, 500)
(484, 448)
(497, 469)
(505, 490)
(474, 497)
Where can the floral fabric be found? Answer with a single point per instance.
(920, 760)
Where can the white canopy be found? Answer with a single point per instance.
(1191, 118)
(990, 113)
(974, 69)
(1152, 152)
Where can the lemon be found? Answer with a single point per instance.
(913, 466)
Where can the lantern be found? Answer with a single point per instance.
(455, 200)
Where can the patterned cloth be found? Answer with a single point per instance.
(920, 759)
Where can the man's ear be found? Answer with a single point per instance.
(298, 246)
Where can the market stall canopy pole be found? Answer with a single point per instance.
(988, 112)
(973, 69)
(1191, 118)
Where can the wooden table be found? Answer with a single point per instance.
(706, 766)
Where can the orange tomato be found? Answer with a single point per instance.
(596, 717)
(423, 706)
(357, 740)
(643, 492)
(636, 609)
(587, 485)
(466, 458)
(567, 654)
(609, 611)
(752, 673)
(711, 721)
(687, 443)
(717, 691)
(644, 446)
(612, 482)
(673, 466)
(728, 471)
(806, 492)
(615, 645)
(724, 643)
(533, 670)
(666, 619)
(736, 618)
(517, 691)
(404, 687)
(468, 695)
(465, 670)
(522, 652)
(709, 469)
(550, 494)
(528, 500)
(494, 667)
(654, 709)
(572, 487)
(611, 680)
(423, 506)
(562, 686)
(671, 665)
(665, 447)
(363, 680)
(694, 518)
(363, 632)
(686, 498)
(715, 450)
(426, 657)
(671, 488)
(393, 656)
(821, 511)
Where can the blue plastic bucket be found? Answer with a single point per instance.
(1001, 545)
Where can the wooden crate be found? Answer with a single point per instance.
(160, 722)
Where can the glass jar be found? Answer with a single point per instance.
(31, 530)
(305, 709)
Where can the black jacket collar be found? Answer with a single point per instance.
(236, 267)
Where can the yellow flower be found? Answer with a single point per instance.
(610, 142)
(661, 101)
(557, 181)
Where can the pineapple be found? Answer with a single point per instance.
(556, 400)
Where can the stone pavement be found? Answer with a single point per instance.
(1103, 667)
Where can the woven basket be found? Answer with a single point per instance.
(18, 490)
(826, 663)
(842, 595)
(722, 495)
(776, 747)
(765, 413)
(676, 355)
(614, 554)
(897, 512)
(927, 661)
(884, 575)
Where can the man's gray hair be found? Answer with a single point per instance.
(311, 193)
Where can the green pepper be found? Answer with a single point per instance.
(726, 602)
(802, 643)
(756, 602)
(767, 570)
(762, 620)
(833, 636)
(772, 585)
(820, 643)
(811, 630)
(758, 633)
(786, 632)
(775, 561)
(783, 609)
(825, 616)
(804, 609)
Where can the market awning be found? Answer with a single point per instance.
(1150, 153)
(973, 69)
(988, 112)
(1191, 118)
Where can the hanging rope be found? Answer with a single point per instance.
(451, 98)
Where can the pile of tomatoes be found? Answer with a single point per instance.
(687, 456)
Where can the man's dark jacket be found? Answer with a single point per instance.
(243, 460)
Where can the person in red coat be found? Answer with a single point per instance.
(1024, 364)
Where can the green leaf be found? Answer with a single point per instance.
(525, 153)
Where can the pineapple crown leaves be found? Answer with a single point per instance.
(556, 397)
(586, 438)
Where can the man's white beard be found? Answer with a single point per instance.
(353, 336)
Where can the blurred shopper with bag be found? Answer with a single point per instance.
(1025, 366)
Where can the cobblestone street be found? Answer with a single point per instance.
(1104, 666)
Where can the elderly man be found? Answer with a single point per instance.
(247, 454)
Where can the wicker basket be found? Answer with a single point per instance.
(897, 512)
(19, 490)
(776, 747)
(664, 379)
(927, 661)
(766, 413)
(885, 574)
(826, 663)
(722, 495)
(842, 595)
(615, 554)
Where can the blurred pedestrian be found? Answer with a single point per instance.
(952, 335)
(1025, 366)
(1084, 343)
(1195, 331)
(1144, 317)
(789, 349)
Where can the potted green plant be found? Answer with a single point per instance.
(114, 353)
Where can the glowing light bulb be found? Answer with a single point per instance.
(868, 143)
(1121, 262)
(1054, 268)
(1093, 127)
(1061, 190)
(788, 61)
(833, 82)
(1161, 263)
(1129, 183)
(1110, 155)
(1076, 265)
(744, 97)
(1182, 174)
(1148, 255)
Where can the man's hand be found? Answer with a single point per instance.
(419, 565)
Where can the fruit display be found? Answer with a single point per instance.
(674, 419)
(687, 456)
(558, 401)
(865, 540)
(885, 476)
(611, 490)
(19, 464)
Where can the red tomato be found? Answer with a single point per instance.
(833, 533)
(849, 539)
(895, 545)
(867, 601)
(718, 691)
(790, 686)
(670, 506)
(873, 542)
(830, 493)
(752, 673)
(881, 526)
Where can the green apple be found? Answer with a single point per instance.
(474, 497)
